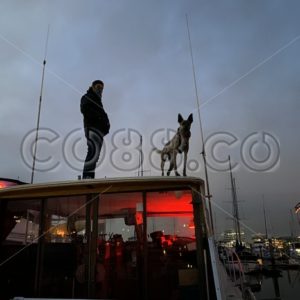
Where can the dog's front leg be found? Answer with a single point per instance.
(162, 165)
(184, 163)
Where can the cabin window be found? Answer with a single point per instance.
(65, 219)
(18, 247)
(21, 222)
(109, 246)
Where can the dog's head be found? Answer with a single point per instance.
(185, 125)
(184, 131)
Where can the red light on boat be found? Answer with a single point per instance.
(191, 224)
(2, 185)
(6, 183)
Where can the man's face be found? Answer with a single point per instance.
(98, 88)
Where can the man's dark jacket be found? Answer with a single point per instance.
(93, 112)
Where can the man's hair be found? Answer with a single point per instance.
(97, 82)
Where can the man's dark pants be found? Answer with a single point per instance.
(94, 143)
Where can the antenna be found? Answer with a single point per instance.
(141, 158)
(208, 196)
(39, 109)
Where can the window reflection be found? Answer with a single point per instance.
(97, 246)
(22, 222)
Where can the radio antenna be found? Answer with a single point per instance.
(39, 109)
(203, 153)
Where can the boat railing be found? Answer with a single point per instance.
(235, 267)
(236, 273)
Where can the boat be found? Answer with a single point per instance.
(112, 238)
(238, 262)
(259, 248)
(294, 250)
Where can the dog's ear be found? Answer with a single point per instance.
(190, 118)
(180, 118)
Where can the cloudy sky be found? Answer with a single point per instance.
(247, 74)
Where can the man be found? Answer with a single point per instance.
(96, 126)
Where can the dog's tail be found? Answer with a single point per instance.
(157, 150)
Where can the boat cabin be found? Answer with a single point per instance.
(123, 238)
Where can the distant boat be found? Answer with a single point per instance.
(295, 250)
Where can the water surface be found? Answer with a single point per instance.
(286, 287)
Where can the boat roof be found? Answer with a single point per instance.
(103, 186)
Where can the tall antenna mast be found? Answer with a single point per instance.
(203, 153)
(141, 158)
(39, 110)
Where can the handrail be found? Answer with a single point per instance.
(233, 260)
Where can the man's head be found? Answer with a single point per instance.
(97, 87)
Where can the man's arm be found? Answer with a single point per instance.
(88, 107)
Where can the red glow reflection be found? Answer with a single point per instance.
(4, 184)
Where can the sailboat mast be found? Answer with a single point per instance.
(235, 210)
(237, 214)
(265, 219)
(203, 153)
(292, 223)
(39, 110)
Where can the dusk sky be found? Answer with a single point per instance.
(247, 73)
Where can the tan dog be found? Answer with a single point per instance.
(178, 144)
